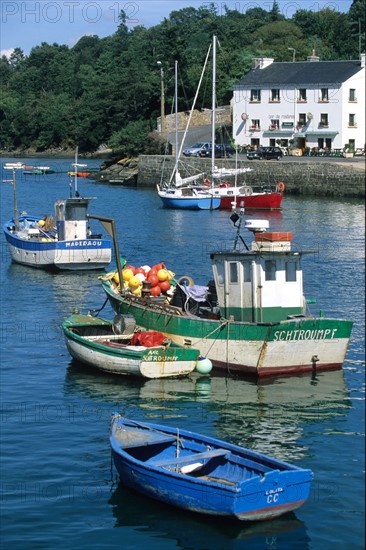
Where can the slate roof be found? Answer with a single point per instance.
(325, 73)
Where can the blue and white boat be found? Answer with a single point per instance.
(63, 243)
(185, 193)
(187, 196)
(203, 474)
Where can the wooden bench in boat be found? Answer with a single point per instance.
(136, 438)
(189, 458)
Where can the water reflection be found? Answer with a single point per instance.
(269, 418)
(189, 530)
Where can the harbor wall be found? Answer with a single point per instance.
(301, 177)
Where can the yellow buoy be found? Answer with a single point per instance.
(134, 282)
(163, 275)
(127, 274)
(137, 291)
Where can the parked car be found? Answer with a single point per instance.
(195, 149)
(221, 151)
(266, 153)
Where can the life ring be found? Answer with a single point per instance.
(207, 181)
(280, 187)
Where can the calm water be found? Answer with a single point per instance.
(58, 487)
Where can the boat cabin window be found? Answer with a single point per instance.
(233, 267)
(220, 273)
(270, 270)
(247, 272)
(290, 272)
(74, 213)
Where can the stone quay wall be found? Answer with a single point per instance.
(301, 177)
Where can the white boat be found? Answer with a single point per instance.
(116, 347)
(63, 243)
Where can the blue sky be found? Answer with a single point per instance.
(25, 24)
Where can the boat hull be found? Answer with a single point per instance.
(293, 346)
(259, 201)
(237, 483)
(190, 203)
(74, 255)
(113, 358)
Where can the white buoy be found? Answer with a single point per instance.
(203, 365)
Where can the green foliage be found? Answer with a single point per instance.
(108, 90)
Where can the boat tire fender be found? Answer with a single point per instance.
(186, 281)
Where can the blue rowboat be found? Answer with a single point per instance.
(203, 474)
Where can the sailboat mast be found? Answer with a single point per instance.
(16, 212)
(213, 105)
(76, 174)
(176, 112)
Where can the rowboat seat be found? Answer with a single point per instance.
(189, 458)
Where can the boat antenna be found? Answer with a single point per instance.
(235, 217)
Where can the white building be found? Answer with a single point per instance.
(313, 103)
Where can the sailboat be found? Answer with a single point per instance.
(200, 191)
(64, 243)
(184, 192)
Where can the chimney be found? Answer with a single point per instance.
(313, 57)
(261, 62)
(362, 59)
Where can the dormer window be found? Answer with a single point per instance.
(301, 96)
(255, 95)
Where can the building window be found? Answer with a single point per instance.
(274, 124)
(324, 94)
(255, 95)
(352, 95)
(270, 270)
(233, 266)
(302, 120)
(291, 272)
(256, 124)
(275, 95)
(301, 94)
(352, 121)
(323, 120)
